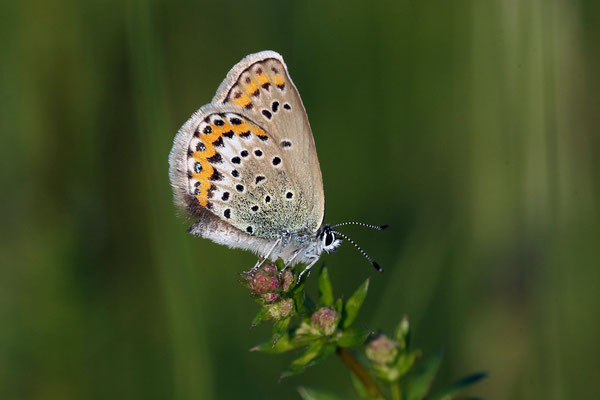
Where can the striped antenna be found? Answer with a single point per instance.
(377, 267)
(378, 227)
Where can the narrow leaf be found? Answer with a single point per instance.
(418, 385)
(402, 333)
(299, 298)
(354, 303)
(313, 394)
(298, 365)
(325, 289)
(323, 354)
(285, 343)
(262, 314)
(339, 305)
(359, 387)
(353, 337)
(279, 329)
(453, 390)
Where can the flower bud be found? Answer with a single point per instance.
(282, 309)
(325, 320)
(286, 306)
(264, 280)
(287, 279)
(270, 297)
(382, 350)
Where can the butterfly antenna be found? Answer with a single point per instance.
(378, 227)
(377, 267)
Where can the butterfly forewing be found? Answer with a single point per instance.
(263, 90)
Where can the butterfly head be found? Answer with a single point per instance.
(329, 243)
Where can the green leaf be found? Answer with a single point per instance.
(339, 305)
(359, 387)
(325, 289)
(405, 361)
(299, 297)
(298, 365)
(279, 329)
(354, 303)
(279, 264)
(327, 350)
(285, 343)
(262, 314)
(418, 385)
(353, 337)
(402, 334)
(313, 394)
(453, 390)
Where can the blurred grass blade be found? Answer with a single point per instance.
(353, 337)
(354, 303)
(325, 289)
(457, 387)
(418, 385)
(313, 394)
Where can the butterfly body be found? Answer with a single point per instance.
(246, 166)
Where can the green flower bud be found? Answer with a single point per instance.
(326, 319)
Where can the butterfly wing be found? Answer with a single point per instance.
(249, 157)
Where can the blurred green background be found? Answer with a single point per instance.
(471, 127)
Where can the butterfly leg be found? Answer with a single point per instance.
(289, 263)
(260, 262)
(307, 269)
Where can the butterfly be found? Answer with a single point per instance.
(246, 167)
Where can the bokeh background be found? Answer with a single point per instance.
(471, 127)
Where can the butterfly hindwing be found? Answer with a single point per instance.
(249, 157)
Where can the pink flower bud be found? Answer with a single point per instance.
(264, 280)
(287, 279)
(286, 306)
(382, 350)
(270, 297)
(325, 320)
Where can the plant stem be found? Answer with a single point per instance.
(395, 389)
(361, 373)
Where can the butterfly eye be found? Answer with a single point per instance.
(329, 239)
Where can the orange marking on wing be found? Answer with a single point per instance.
(242, 101)
(262, 79)
(243, 127)
(208, 152)
(202, 177)
(259, 132)
(278, 79)
(251, 88)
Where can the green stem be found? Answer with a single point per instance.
(360, 371)
(396, 393)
